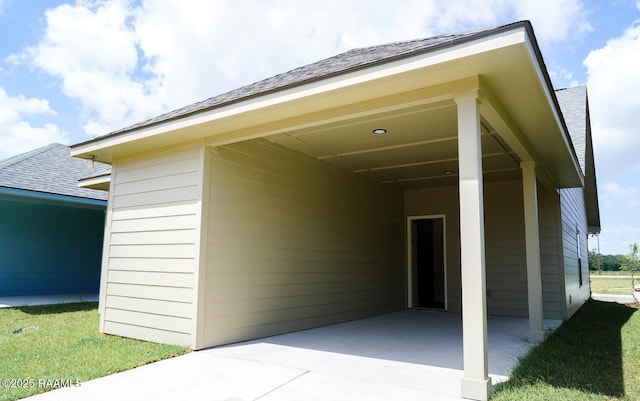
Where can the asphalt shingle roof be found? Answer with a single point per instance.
(573, 104)
(340, 64)
(50, 169)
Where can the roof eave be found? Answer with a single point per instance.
(203, 123)
(23, 195)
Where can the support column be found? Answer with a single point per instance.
(532, 238)
(476, 384)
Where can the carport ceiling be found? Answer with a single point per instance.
(419, 148)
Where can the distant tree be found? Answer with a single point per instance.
(612, 262)
(595, 261)
(632, 261)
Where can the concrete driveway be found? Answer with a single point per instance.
(407, 355)
(621, 299)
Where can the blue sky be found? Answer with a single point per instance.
(73, 70)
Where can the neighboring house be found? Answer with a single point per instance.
(435, 173)
(51, 231)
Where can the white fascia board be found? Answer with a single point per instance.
(343, 81)
(552, 104)
(94, 181)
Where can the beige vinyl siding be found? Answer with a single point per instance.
(504, 244)
(574, 220)
(152, 246)
(295, 243)
(505, 249)
(551, 253)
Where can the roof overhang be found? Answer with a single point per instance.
(100, 182)
(35, 197)
(504, 65)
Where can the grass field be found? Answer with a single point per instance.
(612, 284)
(44, 347)
(609, 273)
(594, 356)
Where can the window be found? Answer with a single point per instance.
(578, 248)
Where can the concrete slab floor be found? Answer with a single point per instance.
(9, 302)
(407, 355)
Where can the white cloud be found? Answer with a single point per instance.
(559, 73)
(618, 195)
(554, 20)
(128, 61)
(16, 134)
(614, 100)
(91, 48)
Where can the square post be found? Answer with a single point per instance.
(476, 383)
(532, 238)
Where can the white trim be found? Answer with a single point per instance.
(95, 181)
(554, 109)
(198, 313)
(106, 254)
(532, 244)
(410, 219)
(476, 383)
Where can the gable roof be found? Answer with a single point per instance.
(50, 170)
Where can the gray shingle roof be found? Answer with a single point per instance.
(342, 63)
(50, 169)
(573, 104)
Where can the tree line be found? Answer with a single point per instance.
(606, 263)
(629, 262)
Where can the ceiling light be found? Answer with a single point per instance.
(379, 131)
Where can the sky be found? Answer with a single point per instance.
(74, 70)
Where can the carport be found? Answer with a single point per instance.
(288, 204)
(409, 355)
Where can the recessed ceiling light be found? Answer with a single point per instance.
(379, 131)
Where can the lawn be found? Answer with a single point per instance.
(45, 347)
(594, 356)
(612, 283)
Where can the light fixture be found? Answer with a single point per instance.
(379, 131)
(91, 161)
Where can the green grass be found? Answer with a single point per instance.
(62, 342)
(611, 284)
(595, 273)
(594, 356)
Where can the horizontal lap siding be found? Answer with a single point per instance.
(49, 249)
(550, 253)
(294, 243)
(506, 257)
(574, 219)
(506, 269)
(153, 244)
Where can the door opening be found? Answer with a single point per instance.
(427, 278)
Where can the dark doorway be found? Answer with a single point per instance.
(428, 263)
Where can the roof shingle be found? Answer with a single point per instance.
(50, 169)
(340, 64)
(573, 104)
